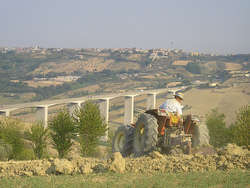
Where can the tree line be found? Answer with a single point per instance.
(237, 133)
(85, 126)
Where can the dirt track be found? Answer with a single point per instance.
(230, 157)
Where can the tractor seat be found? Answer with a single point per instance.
(173, 117)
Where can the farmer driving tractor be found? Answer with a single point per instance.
(163, 128)
(173, 125)
(173, 107)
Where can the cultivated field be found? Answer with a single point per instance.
(232, 66)
(226, 100)
(181, 62)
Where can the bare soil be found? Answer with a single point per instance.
(227, 158)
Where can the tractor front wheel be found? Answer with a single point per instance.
(123, 140)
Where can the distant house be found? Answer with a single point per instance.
(198, 82)
(214, 84)
(194, 54)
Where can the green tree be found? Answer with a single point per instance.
(11, 138)
(91, 126)
(62, 132)
(241, 128)
(38, 135)
(193, 68)
(219, 134)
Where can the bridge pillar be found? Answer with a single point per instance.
(42, 114)
(7, 113)
(151, 101)
(129, 109)
(74, 105)
(104, 110)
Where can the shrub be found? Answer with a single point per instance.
(240, 129)
(5, 150)
(219, 134)
(193, 67)
(91, 126)
(38, 135)
(11, 138)
(63, 131)
(26, 154)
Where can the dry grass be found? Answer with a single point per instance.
(42, 83)
(233, 66)
(123, 66)
(210, 66)
(135, 57)
(92, 65)
(148, 77)
(91, 88)
(181, 62)
(173, 84)
(227, 101)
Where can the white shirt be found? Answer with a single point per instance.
(172, 105)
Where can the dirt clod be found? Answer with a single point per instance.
(232, 149)
(229, 157)
(117, 163)
(61, 166)
(156, 155)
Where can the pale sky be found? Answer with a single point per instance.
(216, 26)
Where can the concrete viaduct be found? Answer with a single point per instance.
(104, 103)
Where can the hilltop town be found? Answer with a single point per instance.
(32, 74)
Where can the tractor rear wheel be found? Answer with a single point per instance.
(146, 134)
(123, 140)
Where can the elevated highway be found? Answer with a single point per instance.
(42, 107)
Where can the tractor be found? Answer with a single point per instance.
(157, 129)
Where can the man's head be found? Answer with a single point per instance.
(179, 97)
